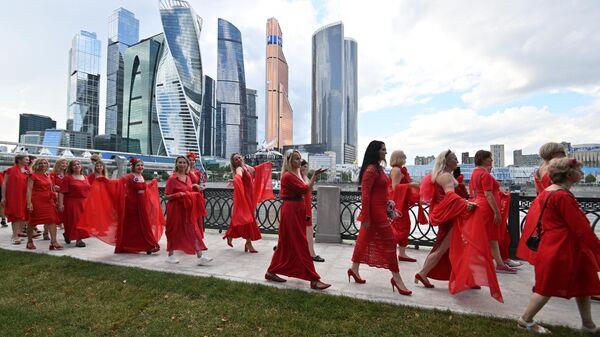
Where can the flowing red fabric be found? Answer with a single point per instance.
(375, 244)
(542, 184)
(103, 209)
(43, 200)
(263, 183)
(461, 189)
(182, 230)
(308, 207)
(404, 197)
(15, 208)
(292, 257)
(568, 259)
(503, 234)
(75, 193)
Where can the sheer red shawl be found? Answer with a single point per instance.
(243, 212)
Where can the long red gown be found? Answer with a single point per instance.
(182, 230)
(247, 193)
(404, 197)
(375, 244)
(292, 257)
(308, 207)
(197, 177)
(57, 180)
(15, 208)
(43, 200)
(529, 227)
(568, 259)
(75, 192)
(482, 181)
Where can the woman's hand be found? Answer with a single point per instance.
(471, 206)
(320, 170)
(497, 218)
(61, 208)
(30, 207)
(196, 187)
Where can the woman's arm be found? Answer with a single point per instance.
(492, 202)
(250, 169)
(29, 190)
(6, 174)
(396, 175)
(240, 171)
(61, 205)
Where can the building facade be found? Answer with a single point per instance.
(209, 117)
(231, 88)
(588, 154)
(279, 121)
(179, 79)
(251, 142)
(424, 160)
(32, 122)
(497, 155)
(123, 31)
(466, 159)
(84, 85)
(32, 137)
(520, 159)
(334, 97)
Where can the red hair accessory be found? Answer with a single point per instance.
(573, 162)
(192, 155)
(133, 160)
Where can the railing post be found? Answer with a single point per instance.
(328, 215)
(514, 224)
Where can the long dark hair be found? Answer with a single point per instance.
(371, 157)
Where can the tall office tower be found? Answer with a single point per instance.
(231, 88)
(334, 92)
(84, 85)
(141, 129)
(279, 121)
(123, 31)
(209, 117)
(251, 120)
(497, 154)
(32, 122)
(179, 78)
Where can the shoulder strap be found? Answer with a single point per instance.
(539, 222)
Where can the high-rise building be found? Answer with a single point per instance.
(251, 120)
(334, 92)
(588, 154)
(424, 160)
(497, 154)
(179, 78)
(123, 31)
(31, 137)
(32, 122)
(84, 85)
(209, 117)
(231, 88)
(54, 138)
(141, 129)
(465, 159)
(279, 119)
(520, 159)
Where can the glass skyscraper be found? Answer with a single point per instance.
(209, 117)
(231, 88)
(334, 92)
(123, 31)
(84, 85)
(140, 121)
(251, 120)
(179, 78)
(32, 122)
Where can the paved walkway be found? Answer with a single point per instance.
(233, 264)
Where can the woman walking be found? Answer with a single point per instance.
(375, 245)
(292, 257)
(41, 203)
(308, 207)
(74, 189)
(14, 195)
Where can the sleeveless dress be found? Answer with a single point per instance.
(75, 192)
(43, 200)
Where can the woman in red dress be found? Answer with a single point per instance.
(447, 211)
(408, 193)
(568, 259)
(198, 176)
(308, 207)
(14, 195)
(485, 192)
(2, 216)
(182, 228)
(251, 185)
(460, 189)
(41, 203)
(375, 244)
(292, 257)
(99, 171)
(71, 198)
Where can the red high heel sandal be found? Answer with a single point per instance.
(355, 277)
(250, 249)
(55, 246)
(402, 292)
(229, 241)
(426, 283)
(406, 259)
(30, 245)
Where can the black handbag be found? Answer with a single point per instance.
(533, 242)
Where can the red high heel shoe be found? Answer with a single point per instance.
(274, 278)
(229, 241)
(423, 280)
(402, 292)
(355, 277)
(406, 259)
(315, 285)
(30, 245)
(249, 249)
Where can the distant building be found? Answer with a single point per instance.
(31, 122)
(116, 143)
(251, 142)
(520, 159)
(32, 137)
(497, 154)
(322, 160)
(55, 137)
(419, 160)
(465, 159)
(208, 120)
(306, 148)
(588, 154)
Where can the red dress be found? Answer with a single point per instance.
(541, 184)
(375, 244)
(75, 192)
(57, 180)
(483, 215)
(43, 200)
(568, 259)
(16, 194)
(529, 227)
(404, 196)
(197, 177)
(91, 178)
(308, 207)
(292, 257)
(182, 230)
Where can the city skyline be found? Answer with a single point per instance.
(436, 75)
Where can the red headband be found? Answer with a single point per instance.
(192, 155)
(133, 160)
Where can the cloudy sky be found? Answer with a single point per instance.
(432, 74)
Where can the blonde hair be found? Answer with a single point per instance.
(548, 151)
(560, 169)
(37, 163)
(231, 164)
(287, 161)
(397, 157)
(104, 172)
(440, 164)
(57, 165)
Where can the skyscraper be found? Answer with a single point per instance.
(497, 154)
(179, 78)
(231, 88)
(123, 31)
(279, 117)
(334, 92)
(84, 85)
(140, 120)
(209, 117)
(251, 120)
(32, 122)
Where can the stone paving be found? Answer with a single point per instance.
(233, 264)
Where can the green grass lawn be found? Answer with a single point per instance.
(59, 296)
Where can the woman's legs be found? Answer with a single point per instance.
(17, 227)
(434, 257)
(536, 303)
(355, 266)
(396, 276)
(495, 248)
(584, 305)
(310, 240)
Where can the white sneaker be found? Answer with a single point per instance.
(204, 260)
(172, 259)
(513, 263)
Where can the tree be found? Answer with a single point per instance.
(590, 179)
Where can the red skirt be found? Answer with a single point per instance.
(401, 228)
(73, 209)
(483, 215)
(136, 232)
(441, 271)
(44, 211)
(292, 257)
(376, 247)
(247, 231)
(183, 232)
